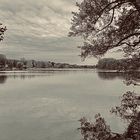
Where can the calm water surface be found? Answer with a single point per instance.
(47, 105)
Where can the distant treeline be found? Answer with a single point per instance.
(119, 64)
(23, 64)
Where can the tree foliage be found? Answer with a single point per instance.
(128, 110)
(107, 24)
(129, 107)
(2, 30)
(128, 64)
(3, 60)
(98, 130)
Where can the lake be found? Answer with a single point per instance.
(47, 105)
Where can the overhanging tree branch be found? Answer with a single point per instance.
(127, 37)
(121, 22)
(109, 22)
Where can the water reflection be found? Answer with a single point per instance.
(135, 76)
(120, 75)
(33, 74)
(26, 75)
(50, 97)
(127, 77)
(3, 79)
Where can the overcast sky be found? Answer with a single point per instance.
(38, 29)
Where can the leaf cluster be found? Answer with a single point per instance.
(107, 24)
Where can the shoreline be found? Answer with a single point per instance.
(64, 69)
(46, 69)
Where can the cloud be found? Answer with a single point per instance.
(43, 18)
